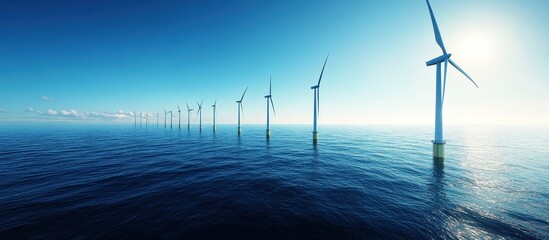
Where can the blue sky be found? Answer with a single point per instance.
(98, 61)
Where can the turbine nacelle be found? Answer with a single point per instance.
(268, 96)
(315, 86)
(439, 59)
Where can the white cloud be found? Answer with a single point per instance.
(75, 115)
(47, 99)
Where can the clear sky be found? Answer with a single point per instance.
(100, 60)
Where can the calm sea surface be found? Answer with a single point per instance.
(121, 182)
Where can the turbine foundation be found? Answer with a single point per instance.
(268, 132)
(438, 150)
(315, 137)
(238, 131)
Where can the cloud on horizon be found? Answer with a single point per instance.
(47, 99)
(76, 115)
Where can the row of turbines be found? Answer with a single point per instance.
(270, 105)
(438, 142)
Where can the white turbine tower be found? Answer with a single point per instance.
(199, 112)
(214, 106)
(438, 142)
(240, 107)
(269, 99)
(316, 106)
(135, 119)
(179, 112)
(189, 110)
(140, 119)
(157, 114)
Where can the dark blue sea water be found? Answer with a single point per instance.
(359, 182)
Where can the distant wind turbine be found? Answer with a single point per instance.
(189, 110)
(438, 142)
(269, 99)
(135, 119)
(214, 106)
(317, 102)
(240, 107)
(179, 112)
(199, 112)
(165, 117)
(140, 119)
(146, 119)
(171, 119)
(157, 114)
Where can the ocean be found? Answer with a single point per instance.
(83, 181)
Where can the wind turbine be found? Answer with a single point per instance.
(179, 111)
(438, 142)
(240, 108)
(316, 89)
(146, 119)
(135, 119)
(165, 116)
(158, 113)
(171, 119)
(269, 99)
(189, 110)
(214, 113)
(140, 119)
(199, 112)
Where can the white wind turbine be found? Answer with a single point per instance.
(189, 110)
(438, 142)
(179, 112)
(146, 119)
(240, 107)
(214, 106)
(165, 117)
(316, 108)
(269, 98)
(199, 112)
(171, 119)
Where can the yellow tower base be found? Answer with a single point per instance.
(268, 132)
(238, 130)
(438, 150)
(315, 137)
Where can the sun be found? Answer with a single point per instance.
(476, 47)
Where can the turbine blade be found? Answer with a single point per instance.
(215, 103)
(444, 86)
(273, 105)
(201, 102)
(178, 108)
(164, 110)
(242, 108)
(187, 106)
(322, 72)
(461, 70)
(438, 38)
(244, 94)
(270, 84)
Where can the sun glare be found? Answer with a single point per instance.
(476, 46)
